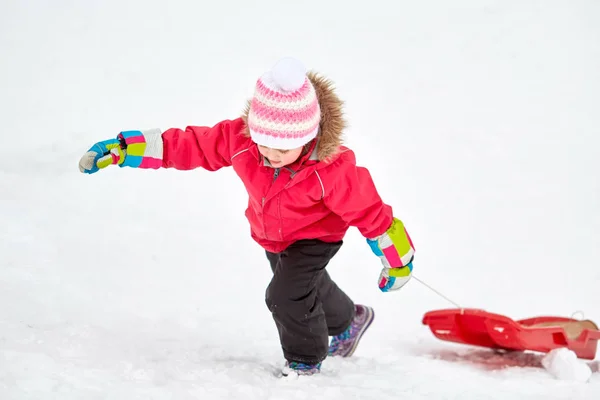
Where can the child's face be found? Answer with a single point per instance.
(280, 158)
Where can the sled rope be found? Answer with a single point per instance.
(438, 293)
(578, 312)
(573, 316)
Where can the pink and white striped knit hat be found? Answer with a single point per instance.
(284, 112)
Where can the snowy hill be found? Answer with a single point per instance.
(477, 119)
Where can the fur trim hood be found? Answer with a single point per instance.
(332, 122)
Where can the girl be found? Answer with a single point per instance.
(305, 190)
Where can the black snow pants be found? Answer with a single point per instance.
(306, 304)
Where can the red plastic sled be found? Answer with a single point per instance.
(541, 334)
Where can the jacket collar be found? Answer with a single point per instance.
(308, 157)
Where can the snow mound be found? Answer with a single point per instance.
(563, 364)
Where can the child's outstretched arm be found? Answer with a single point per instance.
(210, 148)
(354, 197)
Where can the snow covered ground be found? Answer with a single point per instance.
(478, 119)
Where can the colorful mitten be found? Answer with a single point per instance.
(396, 251)
(101, 155)
(137, 149)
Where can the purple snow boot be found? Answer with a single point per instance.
(297, 368)
(344, 344)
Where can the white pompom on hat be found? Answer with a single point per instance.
(284, 112)
(289, 74)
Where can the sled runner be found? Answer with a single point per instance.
(542, 334)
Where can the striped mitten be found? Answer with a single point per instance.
(136, 149)
(101, 155)
(396, 251)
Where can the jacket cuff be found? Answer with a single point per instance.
(144, 148)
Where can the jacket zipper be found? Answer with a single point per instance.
(263, 219)
(275, 175)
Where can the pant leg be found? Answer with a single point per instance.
(338, 307)
(305, 302)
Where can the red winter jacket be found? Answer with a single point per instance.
(317, 200)
(309, 199)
